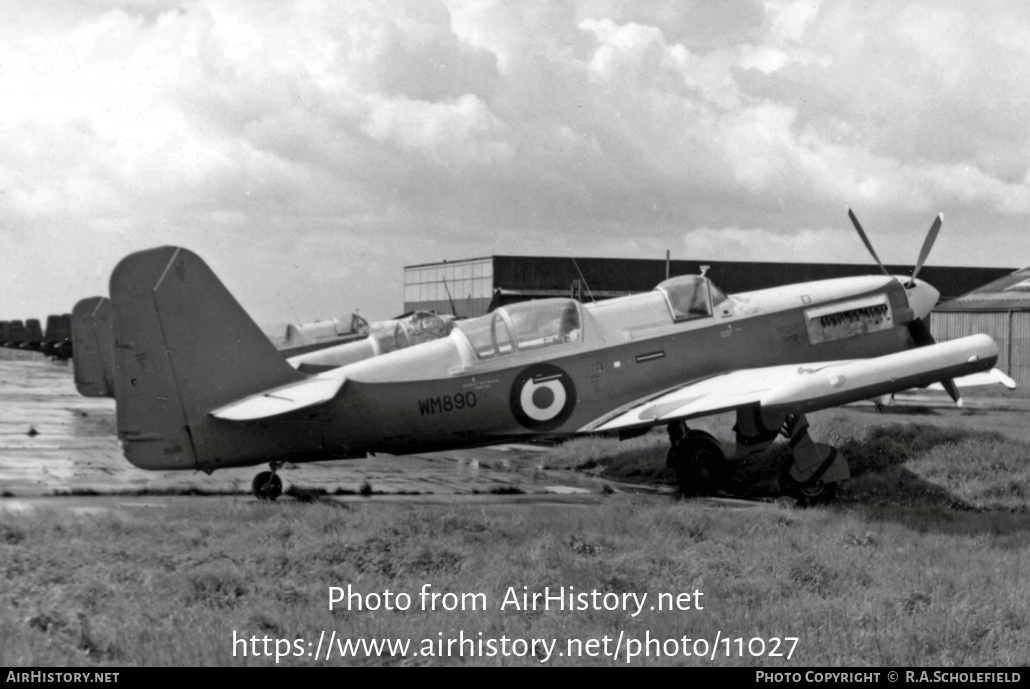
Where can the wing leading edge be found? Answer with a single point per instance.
(801, 388)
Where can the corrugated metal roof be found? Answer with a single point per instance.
(1009, 293)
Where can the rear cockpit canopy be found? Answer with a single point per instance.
(523, 327)
(321, 331)
(419, 327)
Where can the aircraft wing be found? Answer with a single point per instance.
(801, 388)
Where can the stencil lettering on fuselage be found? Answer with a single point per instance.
(848, 319)
(543, 397)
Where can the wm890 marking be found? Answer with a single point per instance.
(439, 405)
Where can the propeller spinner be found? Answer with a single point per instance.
(922, 296)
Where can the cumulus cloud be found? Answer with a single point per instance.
(326, 144)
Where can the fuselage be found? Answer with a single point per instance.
(506, 376)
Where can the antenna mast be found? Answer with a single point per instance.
(585, 284)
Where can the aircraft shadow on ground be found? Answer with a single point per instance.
(885, 489)
(935, 510)
(906, 410)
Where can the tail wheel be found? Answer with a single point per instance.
(267, 486)
(698, 461)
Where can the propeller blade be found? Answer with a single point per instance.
(922, 337)
(920, 332)
(865, 240)
(952, 389)
(931, 237)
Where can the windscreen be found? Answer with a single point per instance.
(687, 296)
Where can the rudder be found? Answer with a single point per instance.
(184, 346)
(93, 347)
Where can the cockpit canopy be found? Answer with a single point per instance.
(419, 327)
(532, 325)
(523, 327)
(691, 296)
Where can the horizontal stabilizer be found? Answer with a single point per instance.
(281, 400)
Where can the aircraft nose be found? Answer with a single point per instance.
(922, 297)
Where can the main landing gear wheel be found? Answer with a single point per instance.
(267, 486)
(698, 461)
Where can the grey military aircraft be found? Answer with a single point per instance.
(93, 342)
(93, 345)
(29, 335)
(200, 387)
(15, 335)
(33, 334)
(57, 341)
(293, 339)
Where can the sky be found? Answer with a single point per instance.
(309, 150)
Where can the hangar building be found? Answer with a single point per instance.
(477, 285)
(1001, 309)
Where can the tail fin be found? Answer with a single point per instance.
(93, 345)
(34, 340)
(57, 338)
(183, 347)
(17, 335)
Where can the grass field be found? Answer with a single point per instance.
(911, 456)
(924, 560)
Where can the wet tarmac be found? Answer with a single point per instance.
(54, 442)
(57, 447)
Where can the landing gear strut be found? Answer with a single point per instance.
(811, 478)
(817, 469)
(697, 458)
(267, 485)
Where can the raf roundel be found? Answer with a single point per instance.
(543, 397)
